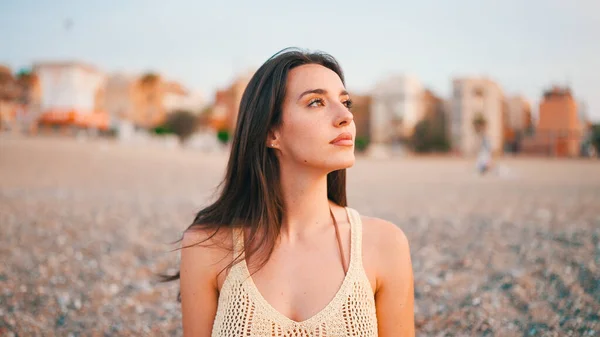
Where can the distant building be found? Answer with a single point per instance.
(519, 114)
(177, 97)
(396, 107)
(149, 93)
(193, 102)
(120, 96)
(146, 100)
(20, 98)
(174, 96)
(227, 103)
(434, 107)
(517, 122)
(220, 110)
(361, 110)
(559, 131)
(476, 99)
(432, 135)
(235, 93)
(72, 95)
(31, 96)
(9, 94)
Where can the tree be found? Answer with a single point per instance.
(361, 143)
(149, 78)
(479, 123)
(223, 136)
(429, 137)
(596, 137)
(182, 123)
(205, 115)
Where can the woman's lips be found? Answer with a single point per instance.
(343, 139)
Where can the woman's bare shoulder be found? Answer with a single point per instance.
(385, 244)
(204, 253)
(384, 234)
(207, 238)
(386, 252)
(207, 250)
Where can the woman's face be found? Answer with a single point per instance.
(317, 127)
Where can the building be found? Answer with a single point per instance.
(220, 111)
(518, 116)
(396, 107)
(177, 97)
(361, 111)
(227, 103)
(235, 93)
(517, 122)
(120, 96)
(434, 107)
(431, 133)
(148, 100)
(72, 95)
(476, 100)
(559, 131)
(174, 96)
(9, 94)
(20, 98)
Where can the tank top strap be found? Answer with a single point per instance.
(355, 237)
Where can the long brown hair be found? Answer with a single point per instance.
(250, 194)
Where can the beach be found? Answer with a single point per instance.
(88, 223)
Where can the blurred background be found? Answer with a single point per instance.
(478, 134)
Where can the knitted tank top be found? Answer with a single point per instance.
(243, 311)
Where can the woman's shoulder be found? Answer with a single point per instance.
(384, 244)
(386, 252)
(207, 250)
(383, 233)
(198, 236)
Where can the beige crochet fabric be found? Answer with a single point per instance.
(243, 311)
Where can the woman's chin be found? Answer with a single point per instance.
(343, 162)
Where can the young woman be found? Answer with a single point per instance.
(279, 253)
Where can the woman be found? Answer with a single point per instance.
(279, 253)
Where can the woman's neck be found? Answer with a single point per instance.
(306, 204)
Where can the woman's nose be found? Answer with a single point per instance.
(343, 117)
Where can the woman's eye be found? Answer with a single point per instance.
(316, 102)
(348, 104)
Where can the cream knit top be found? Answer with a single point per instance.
(243, 311)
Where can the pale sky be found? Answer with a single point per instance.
(524, 45)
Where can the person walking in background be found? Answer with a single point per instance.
(280, 253)
(484, 158)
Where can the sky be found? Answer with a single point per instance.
(526, 46)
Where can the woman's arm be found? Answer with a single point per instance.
(198, 284)
(394, 296)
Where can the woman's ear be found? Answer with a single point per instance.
(273, 138)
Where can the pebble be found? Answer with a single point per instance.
(113, 289)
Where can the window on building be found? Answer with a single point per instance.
(478, 92)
